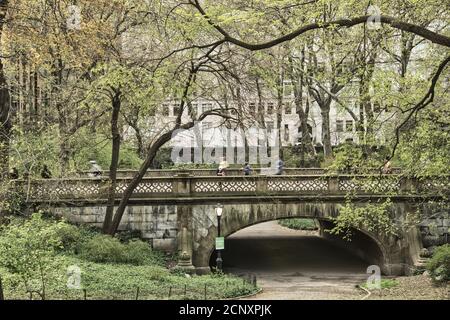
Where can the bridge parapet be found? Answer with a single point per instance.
(187, 186)
(230, 171)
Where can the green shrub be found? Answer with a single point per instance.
(439, 264)
(70, 236)
(128, 235)
(299, 224)
(28, 248)
(138, 252)
(104, 249)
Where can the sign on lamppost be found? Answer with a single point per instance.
(220, 243)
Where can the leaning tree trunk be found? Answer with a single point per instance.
(116, 103)
(137, 178)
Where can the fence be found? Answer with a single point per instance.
(162, 292)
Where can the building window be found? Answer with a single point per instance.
(270, 108)
(269, 126)
(287, 108)
(286, 132)
(206, 107)
(165, 110)
(252, 108)
(288, 88)
(349, 125)
(176, 110)
(194, 110)
(339, 126)
(206, 126)
(376, 107)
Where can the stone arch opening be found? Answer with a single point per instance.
(362, 245)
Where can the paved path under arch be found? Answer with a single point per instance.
(293, 264)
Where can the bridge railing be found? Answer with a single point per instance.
(186, 186)
(230, 172)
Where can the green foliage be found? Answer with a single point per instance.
(72, 237)
(373, 217)
(425, 151)
(27, 249)
(299, 224)
(31, 150)
(351, 158)
(99, 148)
(106, 249)
(11, 200)
(384, 284)
(36, 253)
(439, 264)
(127, 235)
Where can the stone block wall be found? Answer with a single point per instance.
(157, 224)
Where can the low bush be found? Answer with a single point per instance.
(106, 249)
(299, 224)
(439, 264)
(103, 249)
(70, 236)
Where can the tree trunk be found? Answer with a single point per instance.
(307, 145)
(152, 150)
(280, 114)
(5, 121)
(64, 144)
(326, 132)
(116, 103)
(137, 178)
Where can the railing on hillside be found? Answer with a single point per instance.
(187, 186)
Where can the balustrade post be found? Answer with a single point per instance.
(261, 184)
(103, 187)
(409, 185)
(333, 184)
(182, 184)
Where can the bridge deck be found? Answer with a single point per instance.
(260, 188)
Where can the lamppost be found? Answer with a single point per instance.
(219, 261)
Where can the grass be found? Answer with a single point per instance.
(299, 224)
(384, 284)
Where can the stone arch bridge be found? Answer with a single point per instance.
(176, 212)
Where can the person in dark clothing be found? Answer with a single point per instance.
(279, 167)
(45, 173)
(247, 169)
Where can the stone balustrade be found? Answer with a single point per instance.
(230, 172)
(185, 185)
